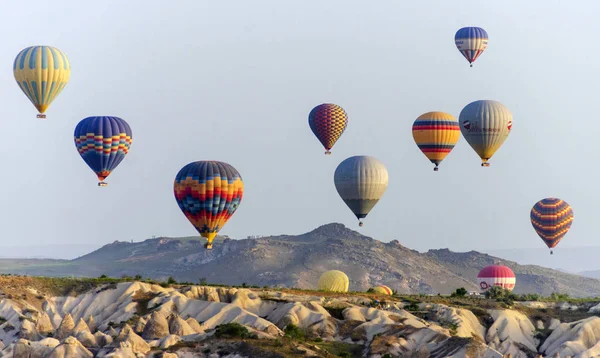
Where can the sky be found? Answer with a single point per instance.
(234, 81)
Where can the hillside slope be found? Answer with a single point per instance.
(298, 261)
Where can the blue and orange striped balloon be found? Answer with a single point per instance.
(551, 218)
(208, 193)
(41, 72)
(436, 134)
(471, 42)
(103, 142)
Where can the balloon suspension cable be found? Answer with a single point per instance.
(102, 183)
(360, 223)
(327, 152)
(41, 115)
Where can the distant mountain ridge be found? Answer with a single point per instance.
(298, 261)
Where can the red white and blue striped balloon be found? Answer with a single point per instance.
(471, 42)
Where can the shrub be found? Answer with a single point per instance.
(232, 329)
(203, 281)
(103, 276)
(138, 277)
(460, 292)
(171, 280)
(293, 331)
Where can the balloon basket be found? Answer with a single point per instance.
(327, 153)
(471, 65)
(208, 246)
(41, 115)
(485, 164)
(360, 223)
(551, 252)
(435, 169)
(102, 184)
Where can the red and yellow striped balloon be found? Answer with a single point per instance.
(383, 289)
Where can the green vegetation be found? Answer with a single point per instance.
(232, 330)
(294, 332)
(460, 292)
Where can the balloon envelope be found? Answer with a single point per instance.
(102, 142)
(208, 193)
(496, 275)
(383, 289)
(485, 125)
(471, 42)
(328, 121)
(436, 134)
(41, 72)
(361, 181)
(334, 281)
(551, 219)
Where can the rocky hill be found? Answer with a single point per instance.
(100, 318)
(298, 261)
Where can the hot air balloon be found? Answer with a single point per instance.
(334, 281)
(485, 125)
(41, 72)
(436, 133)
(102, 142)
(208, 193)
(328, 122)
(496, 275)
(551, 218)
(383, 289)
(361, 181)
(471, 42)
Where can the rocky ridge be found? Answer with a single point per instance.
(135, 319)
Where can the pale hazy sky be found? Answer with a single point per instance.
(235, 80)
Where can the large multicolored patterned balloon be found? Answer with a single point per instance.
(485, 125)
(436, 133)
(328, 122)
(41, 72)
(551, 218)
(208, 193)
(361, 181)
(334, 281)
(103, 142)
(496, 275)
(471, 42)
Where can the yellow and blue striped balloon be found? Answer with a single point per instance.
(41, 72)
(436, 134)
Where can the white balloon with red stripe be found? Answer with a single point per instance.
(496, 275)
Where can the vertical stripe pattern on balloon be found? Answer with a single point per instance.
(41, 72)
(471, 42)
